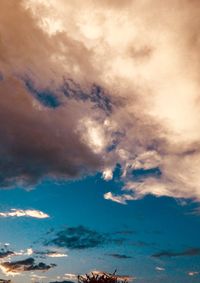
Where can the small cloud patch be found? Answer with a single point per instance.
(24, 213)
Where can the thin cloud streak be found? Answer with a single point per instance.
(188, 252)
(24, 213)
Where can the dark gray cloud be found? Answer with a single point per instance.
(26, 265)
(78, 238)
(81, 237)
(119, 256)
(38, 142)
(5, 253)
(188, 252)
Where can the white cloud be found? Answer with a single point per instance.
(193, 273)
(6, 272)
(24, 213)
(107, 174)
(55, 254)
(67, 277)
(122, 199)
(158, 268)
(38, 277)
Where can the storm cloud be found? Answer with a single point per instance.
(116, 88)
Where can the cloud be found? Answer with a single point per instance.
(70, 276)
(158, 268)
(50, 254)
(78, 238)
(77, 99)
(37, 277)
(66, 278)
(16, 267)
(188, 252)
(122, 199)
(24, 213)
(194, 211)
(193, 273)
(120, 256)
(5, 253)
(38, 253)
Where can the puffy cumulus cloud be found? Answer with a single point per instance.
(24, 213)
(17, 267)
(85, 87)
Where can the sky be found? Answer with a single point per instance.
(99, 140)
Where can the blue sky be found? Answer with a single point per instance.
(144, 228)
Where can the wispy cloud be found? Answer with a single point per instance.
(195, 211)
(24, 213)
(122, 199)
(188, 252)
(49, 253)
(120, 256)
(158, 268)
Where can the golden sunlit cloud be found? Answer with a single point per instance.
(24, 213)
(100, 100)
